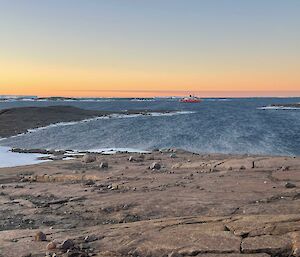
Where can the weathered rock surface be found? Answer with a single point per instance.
(273, 245)
(201, 205)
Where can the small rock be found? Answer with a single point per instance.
(40, 236)
(173, 155)
(18, 186)
(114, 186)
(51, 246)
(88, 158)
(242, 167)
(290, 185)
(131, 159)
(67, 244)
(90, 238)
(284, 168)
(57, 157)
(155, 166)
(90, 183)
(103, 165)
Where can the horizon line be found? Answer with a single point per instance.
(164, 93)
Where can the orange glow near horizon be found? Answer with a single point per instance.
(28, 79)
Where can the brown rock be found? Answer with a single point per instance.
(296, 243)
(51, 246)
(88, 158)
(40, 236)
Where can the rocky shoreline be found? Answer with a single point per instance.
(295, 105)
(19, 120)
(168, 203)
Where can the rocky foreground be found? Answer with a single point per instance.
(166, 203)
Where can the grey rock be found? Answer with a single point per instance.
(67, 244)
(173, 155)
(290, 185)
(103, 165)
(90, 238)
(155, 166)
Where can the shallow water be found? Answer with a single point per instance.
(215, 125)
(10, 159)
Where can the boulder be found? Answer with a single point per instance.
(88, 158)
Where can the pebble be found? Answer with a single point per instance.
(40, 236)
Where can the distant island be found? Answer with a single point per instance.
(14, 121)
(295, 105)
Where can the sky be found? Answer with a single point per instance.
(150, 47)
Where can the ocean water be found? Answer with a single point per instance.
(242, 126)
